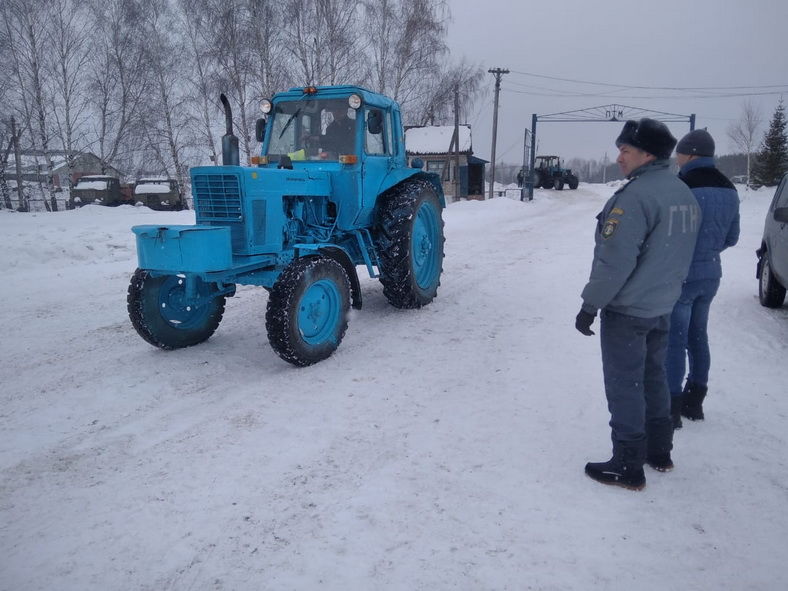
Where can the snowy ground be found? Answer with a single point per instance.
(440, 448)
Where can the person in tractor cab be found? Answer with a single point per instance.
(340, 133)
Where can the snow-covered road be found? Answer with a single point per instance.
(440, 448)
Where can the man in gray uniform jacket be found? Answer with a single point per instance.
(645, 238)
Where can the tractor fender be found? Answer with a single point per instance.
(339, 255)
(399, 176)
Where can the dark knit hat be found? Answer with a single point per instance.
(696, 143)
(649, 135)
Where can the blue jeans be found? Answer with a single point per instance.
(633, 363)
(688, 336)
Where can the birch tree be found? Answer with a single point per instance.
(70, 49)
(166, 122)
(743, 133)
(26, 22)
(406, 44)
(118, 78)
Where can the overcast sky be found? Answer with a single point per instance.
(694, 43)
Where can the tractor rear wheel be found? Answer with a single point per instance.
(548, 182)
(162, 315)
(409, 239)
(308, 309)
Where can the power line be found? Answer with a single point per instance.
(631, 86)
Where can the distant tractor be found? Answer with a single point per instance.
(548, 174)
(159, 193)
(98, 190)
(330, 191)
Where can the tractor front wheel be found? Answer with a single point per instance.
(572, 181)
(559, 184)
(163, 314)
(409, 237)
(308, 309)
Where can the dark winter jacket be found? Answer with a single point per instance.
(719, 228)
(645, 238)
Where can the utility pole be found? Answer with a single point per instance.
(457, 144)
(497, 72)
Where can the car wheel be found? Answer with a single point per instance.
(770, 292)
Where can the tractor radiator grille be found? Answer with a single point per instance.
(217, 197)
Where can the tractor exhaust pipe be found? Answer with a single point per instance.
(230, 154)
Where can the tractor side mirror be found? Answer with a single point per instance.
(259, 130)
(781, 215)
(375, 121)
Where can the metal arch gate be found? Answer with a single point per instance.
(604, 113)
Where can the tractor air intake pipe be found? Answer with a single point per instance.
(230, 155)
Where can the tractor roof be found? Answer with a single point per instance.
(340, 91)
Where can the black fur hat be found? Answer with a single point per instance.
(649, 135)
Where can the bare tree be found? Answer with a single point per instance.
(406, 43)
(166, 120)
(436, 105)
(321, 36)
(201, 89)
(235, 59)
(118, 78)
(26, 22)
(744, 131)
(70, 43)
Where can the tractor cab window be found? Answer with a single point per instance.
(312, 129)
(377, 136)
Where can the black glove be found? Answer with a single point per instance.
(584, 321)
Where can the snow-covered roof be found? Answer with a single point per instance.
(95, 185)
(141, 189)
(436, 139)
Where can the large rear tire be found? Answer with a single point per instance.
(770, 292)
(308, 309)
(409, 238)
(161, 315)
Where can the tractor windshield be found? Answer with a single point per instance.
(312, 129)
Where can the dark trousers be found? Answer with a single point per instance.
(688, 335)
(633, 363)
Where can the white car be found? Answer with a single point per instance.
(772, 270)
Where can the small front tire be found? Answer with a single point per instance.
(165, 318)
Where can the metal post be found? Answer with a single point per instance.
(692, 122)
(497, 72)
(533, 157)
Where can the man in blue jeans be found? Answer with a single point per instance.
(719, 229)
(644, 240)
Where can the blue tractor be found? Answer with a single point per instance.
(331, 190)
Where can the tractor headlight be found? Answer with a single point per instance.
(265, 106)
(354, 101)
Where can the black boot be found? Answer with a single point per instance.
(659, 442)
(692, 408)
(624, 469)
(676, 402)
